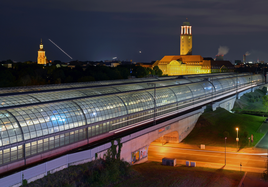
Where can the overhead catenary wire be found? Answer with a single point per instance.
(60, 49)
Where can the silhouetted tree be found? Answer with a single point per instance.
(158, 71)
(265, 101)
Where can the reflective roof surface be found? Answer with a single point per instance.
(40, 118)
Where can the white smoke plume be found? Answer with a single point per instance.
(223, 50)
(247, 53)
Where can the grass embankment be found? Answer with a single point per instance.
(211, 126)
(96, 173)
(251, 103)
(156, 175)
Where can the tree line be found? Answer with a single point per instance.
(24, 74)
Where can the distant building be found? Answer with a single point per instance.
(190, 64)
(186, 63)
(186, 39)
(41, 59)
(237, 62)
(7, 64)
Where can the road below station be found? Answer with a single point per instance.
(255, 162)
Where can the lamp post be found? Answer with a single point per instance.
(225, 150)
(237, 139)
(154, 85)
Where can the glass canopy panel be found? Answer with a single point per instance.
(257, 78)
(165, 83)
(235, 81)
(148, 79)
(128, 80)
(208, 87)
(169, 83)
(9, 129)
(111, 82)
(89, 91)
(50, 87)
(226, 83)
(195, 79)
(59, 95)
(145, 85)
(6, 101)
(248, 78)
(157, 84)
(232, 82)
(85, 84)
(105, 90)
(182, 92)
(164, 96)
(197, 89)
(183, 81)
(102, 108)
(241, 80)
(40, 120)
(32, 88)
(217, 85)
(168, 77)
(137, 101)
(13, 90)
(129, 87)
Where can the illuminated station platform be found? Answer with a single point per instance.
(38, 122)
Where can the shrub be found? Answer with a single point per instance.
(264, 90)
(24, 182)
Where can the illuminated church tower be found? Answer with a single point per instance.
(41, 59)
(186, 39)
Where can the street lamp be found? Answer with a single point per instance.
(225, 150)
(237, 139)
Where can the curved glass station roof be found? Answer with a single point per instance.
(23, 97)
(192, 78)
(78, 85)
(38, 114)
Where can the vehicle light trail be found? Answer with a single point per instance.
(60, 49)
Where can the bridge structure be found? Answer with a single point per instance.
(40, 122)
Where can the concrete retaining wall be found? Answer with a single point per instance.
(183, 126)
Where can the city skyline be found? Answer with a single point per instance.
(139, 31)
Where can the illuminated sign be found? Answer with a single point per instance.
(163, 129)
(139, 154)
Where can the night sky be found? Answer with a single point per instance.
(102, 29)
